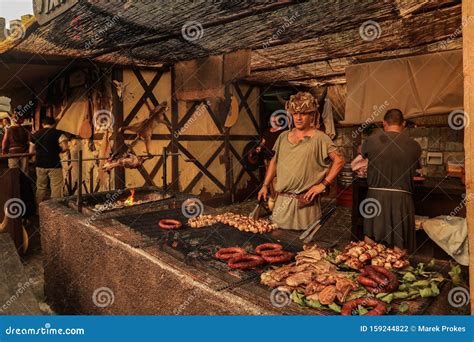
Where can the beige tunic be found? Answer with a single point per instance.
(299, 167)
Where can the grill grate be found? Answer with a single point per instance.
(197, 246)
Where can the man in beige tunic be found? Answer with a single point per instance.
(306, 162)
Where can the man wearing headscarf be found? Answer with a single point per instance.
(306, 162)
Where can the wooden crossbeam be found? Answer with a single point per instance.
(215, 119)
(148, 88)
(244, 104)
(187, 116)
(239, 158)
(201, 167)
(196, 179)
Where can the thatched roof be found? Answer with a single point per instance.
(305, 43)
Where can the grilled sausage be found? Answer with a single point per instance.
(246, 261)
(229, 253)
(378, 307)
(277, 256)
(169, 224)
(265, 247)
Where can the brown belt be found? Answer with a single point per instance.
(302, 203)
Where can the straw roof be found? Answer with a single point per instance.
(304, 43)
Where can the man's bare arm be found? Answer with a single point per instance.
(336, 166)
(271, 173)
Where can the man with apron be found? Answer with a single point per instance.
(388, 210)
(306, 161)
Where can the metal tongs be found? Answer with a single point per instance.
(309, 233)
(256, 213)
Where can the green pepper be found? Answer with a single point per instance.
(388, 298)
(400, 295)
(315, 304)
(421, 283)
(409, 277)
(361, 310)
(334, 307)
(403, 287)
(403, 307)
(298, 298)
(427, 292)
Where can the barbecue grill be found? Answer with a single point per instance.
(196, 247)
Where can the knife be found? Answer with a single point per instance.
(309, 233)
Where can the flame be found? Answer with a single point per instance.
(131, 199)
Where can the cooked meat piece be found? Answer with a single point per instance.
(267, 279)
(326, 279)
(314, 296)
(299, 279)
(354, 264)
(313, 287)
(343, 283)
(341, 258)
(328, 295)
(323, 266)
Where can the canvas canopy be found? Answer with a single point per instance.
(422, 85)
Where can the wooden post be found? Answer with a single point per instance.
(468, 61)
(117, 109)
(174, 138)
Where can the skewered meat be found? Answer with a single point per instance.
(241, 222)
(202, 221)
(128, 160)
(357, 254)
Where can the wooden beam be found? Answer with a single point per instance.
(468, 67)
(142, 99)
(243, 103)
(174, 128)
(117, 109)
(208, 163)
(202, 168)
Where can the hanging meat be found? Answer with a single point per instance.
(144, 129)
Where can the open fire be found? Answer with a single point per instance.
(131, 199)
(135, 198)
